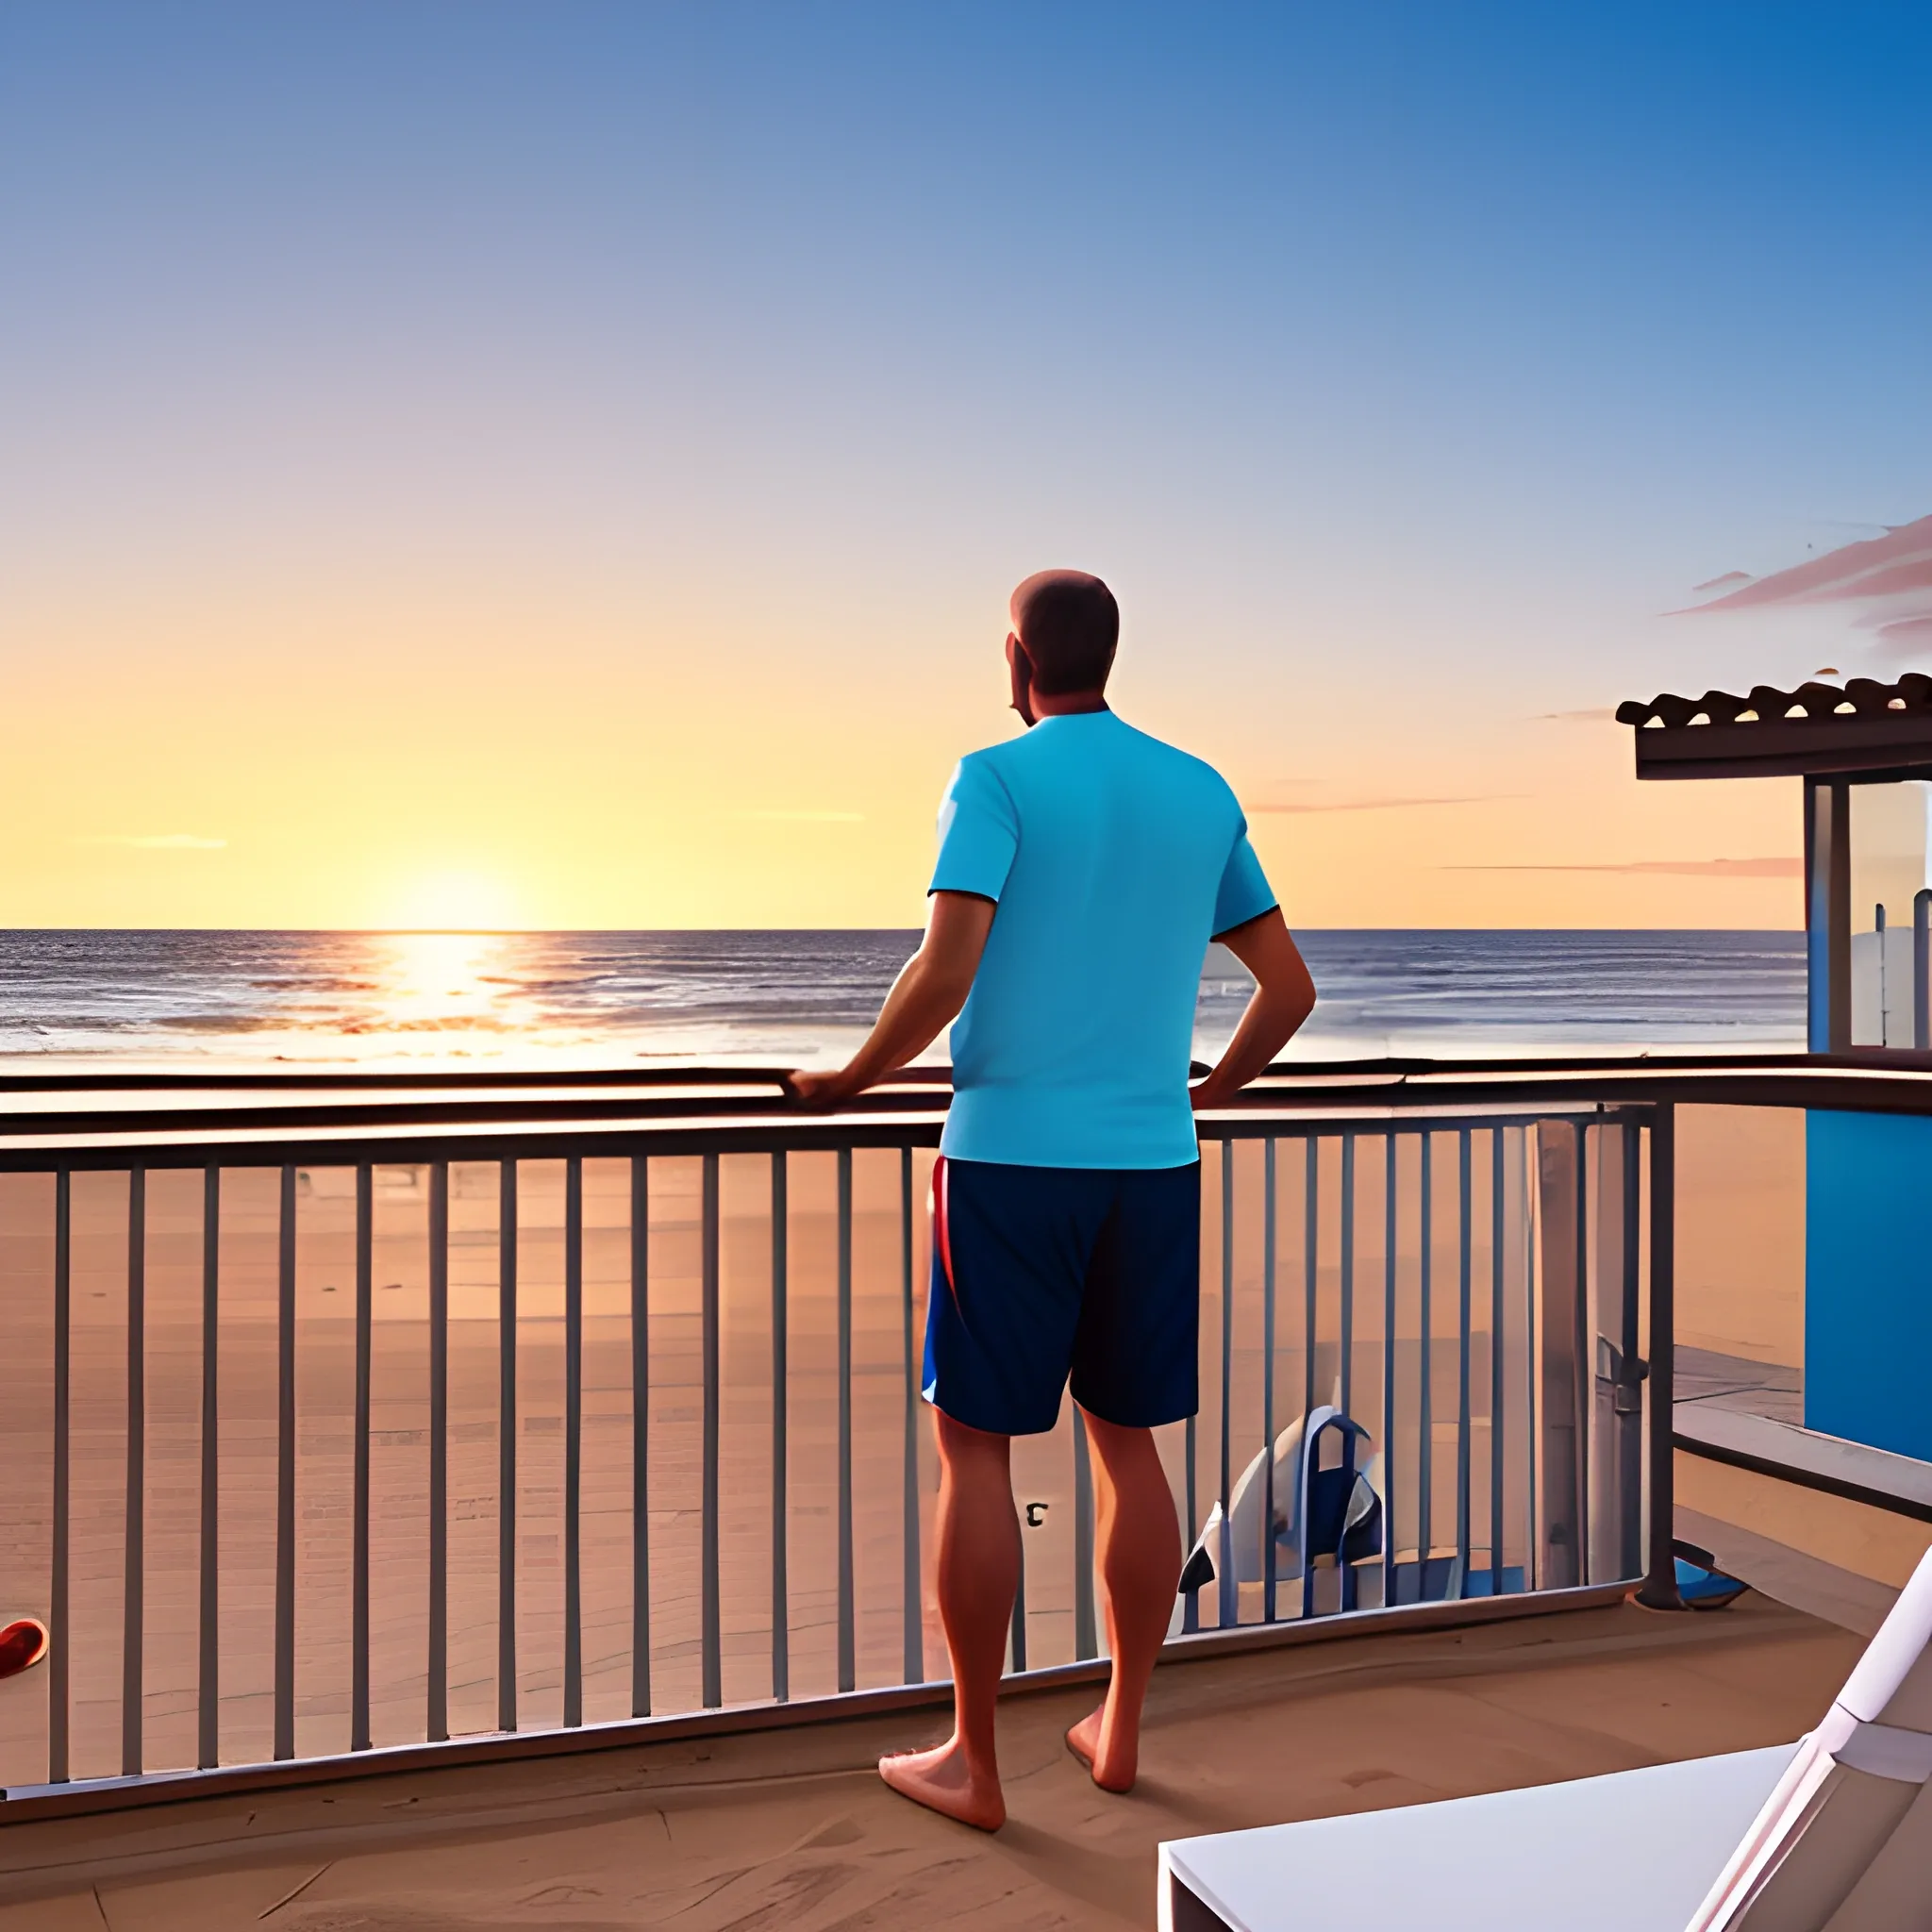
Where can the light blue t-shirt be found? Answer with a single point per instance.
(1115, 858)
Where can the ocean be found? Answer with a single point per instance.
(539, 999)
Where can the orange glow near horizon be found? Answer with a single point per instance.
(738, 790)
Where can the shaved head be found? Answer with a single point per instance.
(1069, 623)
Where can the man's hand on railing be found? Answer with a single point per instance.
(926, 996)
(825, 1090)
(1283, 997)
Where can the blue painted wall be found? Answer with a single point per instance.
(1868, 1279)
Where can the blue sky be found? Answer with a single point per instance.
(587, 428)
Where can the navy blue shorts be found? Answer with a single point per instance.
(1043, 1273)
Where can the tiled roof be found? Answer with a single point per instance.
(1765, 703)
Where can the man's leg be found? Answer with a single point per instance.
(977, 1573)
(1140, 1548)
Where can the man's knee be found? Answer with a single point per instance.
(960, 1443)
(1118, 1439)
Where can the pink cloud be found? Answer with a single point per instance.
(1884, 582)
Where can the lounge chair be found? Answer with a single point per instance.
(1831, 1834)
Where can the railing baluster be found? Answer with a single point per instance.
(908, 1536)
(1389, 1238)
(1269, 1217)
(506, 1446)
(1311, 1227)
(1344, 1572)
(1347, 1372)
(848, 1663)
(1532, 1261)
(437, 1716)
(359, 1533)
(781, 1405)
(1227, 1591)
(134, 1570)
(1425, 1405)
(60, 1631)
(285, 1470)
(1464, 1314)
(1497, 1371)
(1583, 1363)
(710, 1659)
(1659, 1592)
(573, 1441)
(208, 1686)
(1629, 1422)
(641, 1435)
(1190, 1604)
(1558, 1392)
(1018, 1637)
(1311, 1288)
(1085, 1641)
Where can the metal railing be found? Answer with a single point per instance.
(269, 1526)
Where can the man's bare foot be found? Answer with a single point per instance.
(943, 1781)
(1114, 1769)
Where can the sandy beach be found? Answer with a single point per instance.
(399, 1440)
(1740, 1293)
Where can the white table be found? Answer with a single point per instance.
(1634, 1852)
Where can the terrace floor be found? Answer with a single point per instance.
(792, 1829)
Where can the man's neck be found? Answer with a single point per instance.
(1066, 703)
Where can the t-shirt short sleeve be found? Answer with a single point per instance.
(979, 833)
(1244, 892)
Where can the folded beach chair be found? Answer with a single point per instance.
(1320, 1515)
(1832, 1833)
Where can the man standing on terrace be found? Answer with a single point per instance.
(1082, 870)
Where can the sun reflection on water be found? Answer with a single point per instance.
(438, 982)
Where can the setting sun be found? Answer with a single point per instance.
(454, 901)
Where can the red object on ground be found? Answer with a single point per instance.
(23, 1644)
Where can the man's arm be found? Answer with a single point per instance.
(1283, 997)
(930, 990)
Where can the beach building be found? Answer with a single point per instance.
(1864, 754)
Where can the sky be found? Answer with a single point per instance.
(564, 464)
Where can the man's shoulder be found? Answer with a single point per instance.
(1003, 751)
(1041, 756)
(1180, 767)
(990, 755)
(989, 765)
